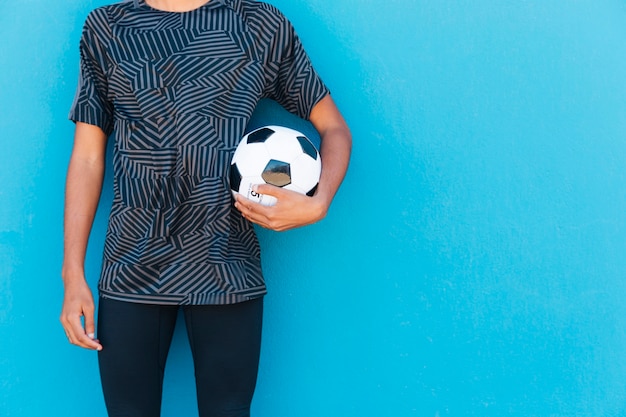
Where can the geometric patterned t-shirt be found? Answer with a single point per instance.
(177, 90)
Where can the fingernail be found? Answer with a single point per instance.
(255, 188)
(91, 335)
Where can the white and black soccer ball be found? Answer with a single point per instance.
(278, 156)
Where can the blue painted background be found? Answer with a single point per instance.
(472, 264)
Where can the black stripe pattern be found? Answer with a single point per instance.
(177, 90)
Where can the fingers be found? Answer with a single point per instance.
(72, 320)
(79, 336)
(90, 327)
(269, 190)
(78, 307)
(254, 212)
(90, 331)
(291, 210)
(249, 209)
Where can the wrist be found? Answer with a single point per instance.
(320, 205)
(71, 274)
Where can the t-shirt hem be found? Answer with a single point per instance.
(186, 299)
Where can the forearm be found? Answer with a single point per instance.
(84, 183)
(335, 149)
(82, 193)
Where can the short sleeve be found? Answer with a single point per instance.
(291, 79)
(91, 104)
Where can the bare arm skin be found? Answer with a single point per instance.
(83, 187)
(295, 210)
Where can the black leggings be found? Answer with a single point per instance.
(225, 343)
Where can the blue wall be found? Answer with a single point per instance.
(472, 264)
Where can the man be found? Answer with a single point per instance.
(177, 82)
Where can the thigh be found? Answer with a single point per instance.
(225, 342)
(135, 341)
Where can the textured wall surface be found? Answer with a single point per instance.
(472, 264)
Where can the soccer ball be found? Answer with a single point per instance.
(278, 156)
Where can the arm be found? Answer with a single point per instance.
(292, 209)
(83, 186)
